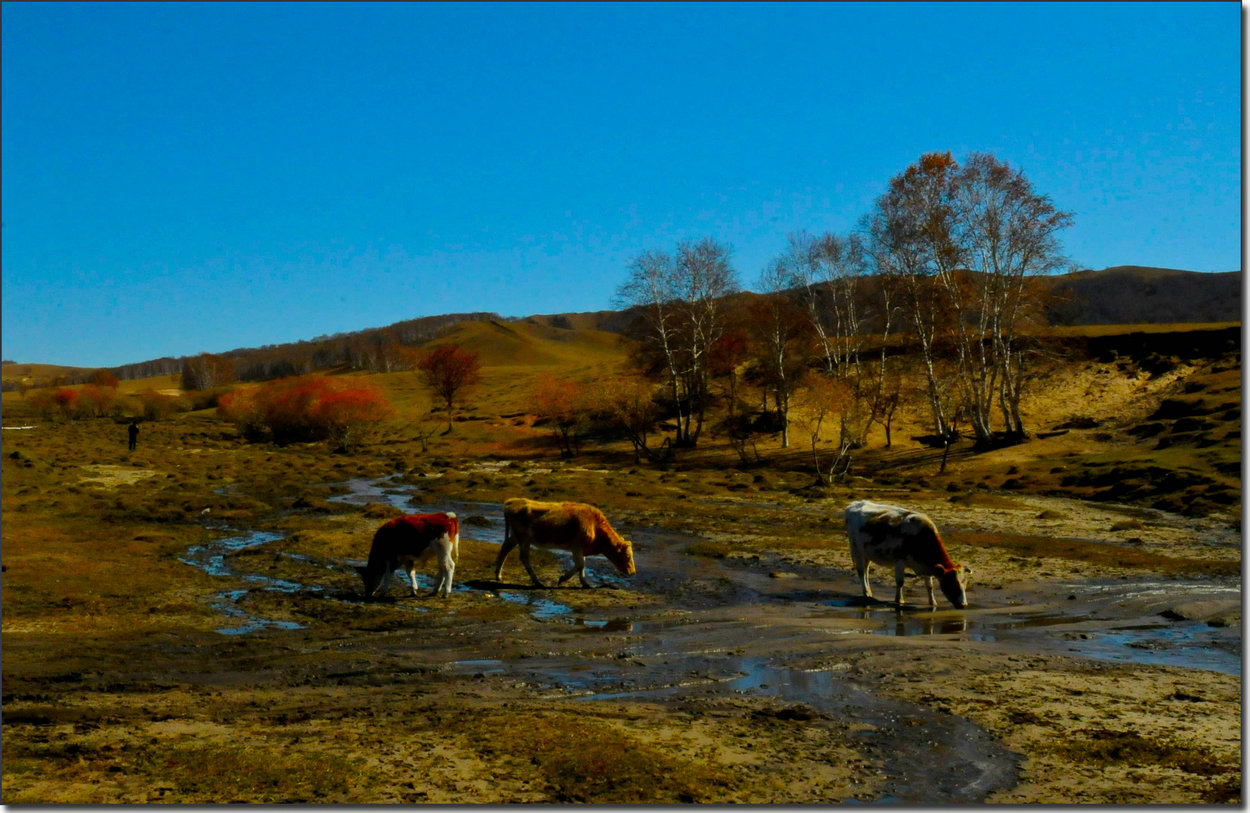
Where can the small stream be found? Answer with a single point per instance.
(212, 559)
(681, 652)
(665, 569)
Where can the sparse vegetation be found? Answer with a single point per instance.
(119, 689)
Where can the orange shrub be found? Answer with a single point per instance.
(66, 399)
(307, 408)
(157, 405)
(94, 401)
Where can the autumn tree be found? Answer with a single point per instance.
(450, 372)
(65, 399)
(94, 401)
(681, 297)
(567, 407)
(818, 403)
(156, 405)
(629, 406)
(726, 356)
(779, 334)
(104, 378)
(912, 231)
(206, 371)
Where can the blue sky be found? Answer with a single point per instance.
(184, 178)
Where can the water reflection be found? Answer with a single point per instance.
(905, 624)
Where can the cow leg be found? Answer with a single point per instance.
(504, 550)
(861, 569)
(446, 569)
(411, 569)
(384, 586)
(579, 567)
(928, 581)
(899, 574)
(525, 560)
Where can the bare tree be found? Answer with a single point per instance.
(912, 232)
(705, 278)
(777, 326)
(630, 407)
(842, 263)
(205, 371)
(682, 300)
(449, 371)
(652, 288)
(1010, 233)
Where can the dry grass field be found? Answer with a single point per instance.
(183, 624)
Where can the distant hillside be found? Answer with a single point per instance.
(1130, 294)
(1123, 295)
(534, 342)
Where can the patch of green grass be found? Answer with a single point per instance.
(1104, 747)
(239, 772)
(195, 773)
(589, 762)
(712, 549)
(1099, 553)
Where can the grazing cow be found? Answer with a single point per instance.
(888, 535)
(406, 541)
(581, 529)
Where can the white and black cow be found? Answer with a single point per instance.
(891, 536)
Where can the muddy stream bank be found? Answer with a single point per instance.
(764, 627)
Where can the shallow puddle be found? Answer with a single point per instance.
(1191, 644)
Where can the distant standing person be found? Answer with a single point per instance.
(133, 431)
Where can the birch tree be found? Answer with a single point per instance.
(682, 300)
(912, 228)
(778, 331)
(1011, 235)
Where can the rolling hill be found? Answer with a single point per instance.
(1130, 295)
(1122, 295)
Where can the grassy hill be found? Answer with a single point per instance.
(534, 343)
(1124, 295)
(1131, 294)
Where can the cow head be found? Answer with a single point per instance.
(953, 580)
(372, 580)
(622, 555)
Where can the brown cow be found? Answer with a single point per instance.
(404, 542)
(889, 535)
(581, 529)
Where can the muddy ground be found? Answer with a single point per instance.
(739, 665)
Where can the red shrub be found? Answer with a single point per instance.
(94, 401)
(308, 408)
(66, 399)
(157, 405)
